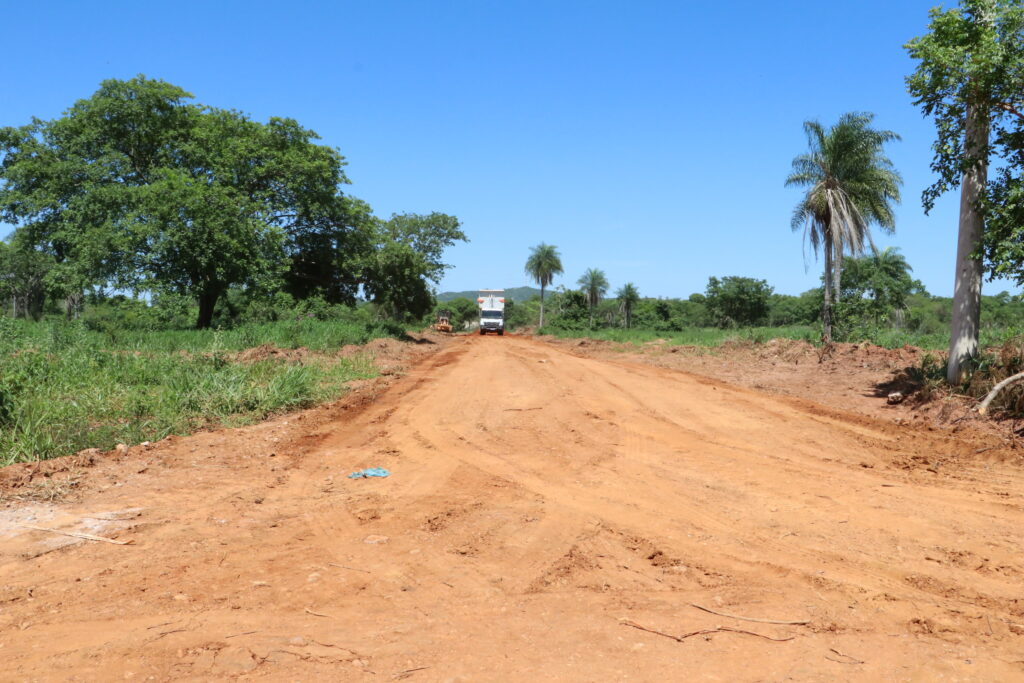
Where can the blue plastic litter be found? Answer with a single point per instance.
(369, 472)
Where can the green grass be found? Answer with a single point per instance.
(695, 336)
(64, 388)
(712, 337)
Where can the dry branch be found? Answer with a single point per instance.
(705, 631)
(1012, 379)
(74, 534)
(755, 619)
(318, 614)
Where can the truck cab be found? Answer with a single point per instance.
(492, 311)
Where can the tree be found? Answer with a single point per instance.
(23, 278)
(138, 187)
(406, 258)
(850, 185)
(627, 295)
(875, 286)
(594, 285)
(739, 301)
(969, 78)
(543, 264)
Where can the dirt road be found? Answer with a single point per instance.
(539, 504)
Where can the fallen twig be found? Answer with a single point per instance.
(983, 408)
(74, 534)
(760, 621)
(166, 633)
(335, 564)
(705, 631)
(853, 660)
(318, 614)
(408, 672)
(235, 635)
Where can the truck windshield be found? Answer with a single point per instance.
(491, 314)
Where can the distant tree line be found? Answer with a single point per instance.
(139, 189)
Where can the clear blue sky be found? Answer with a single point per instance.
(649, 139)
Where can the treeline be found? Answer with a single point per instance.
(139, 190)
(878, 293)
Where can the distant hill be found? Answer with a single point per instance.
(515, 293)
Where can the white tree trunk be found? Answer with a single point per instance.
(963, 342)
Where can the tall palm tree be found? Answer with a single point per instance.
(627, 296)
(850, 185)
(543, 264)
(594, 285)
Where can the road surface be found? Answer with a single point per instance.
(541, 507)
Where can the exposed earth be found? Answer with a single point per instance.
(553, 512)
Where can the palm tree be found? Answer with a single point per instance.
(627, 296)
(594, 285)
(850, 185)
(543, 265)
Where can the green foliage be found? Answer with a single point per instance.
(543, 264)
(737, 301)
(851, 184)
(628, 296)
(785, 309)
(64, 387)
(594, 285)
(139, 188)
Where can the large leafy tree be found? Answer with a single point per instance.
(742, 301)
(970, 79)
(138, 187)
(406, 259)
(851, 185)
(543, 264)
(594, 285)
(628, 295)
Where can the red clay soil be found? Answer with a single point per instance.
(548, 517)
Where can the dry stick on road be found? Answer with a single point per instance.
(74, 534)
(318, 614)
(853, 660)
(760, 621)
(1012, 379)
(335, 564)
(705, 631)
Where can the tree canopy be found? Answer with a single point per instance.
(138, 187)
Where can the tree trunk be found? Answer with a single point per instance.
(207, 301)
(541, 308)
(591, 317)
(963, 339)
(826, 300)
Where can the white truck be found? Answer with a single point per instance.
(492, 310)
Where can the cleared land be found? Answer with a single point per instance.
(542, 505)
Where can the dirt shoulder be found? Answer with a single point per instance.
(849, 377)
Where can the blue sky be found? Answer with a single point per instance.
(649, 139)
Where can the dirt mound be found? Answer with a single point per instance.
(266, 352)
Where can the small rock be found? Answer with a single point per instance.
(146, 444)
(182, 597)
(895, 397)
(298, 641)
(374, 538)
(122, 449)
(313, 578)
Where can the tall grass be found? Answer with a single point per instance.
(64, 388)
